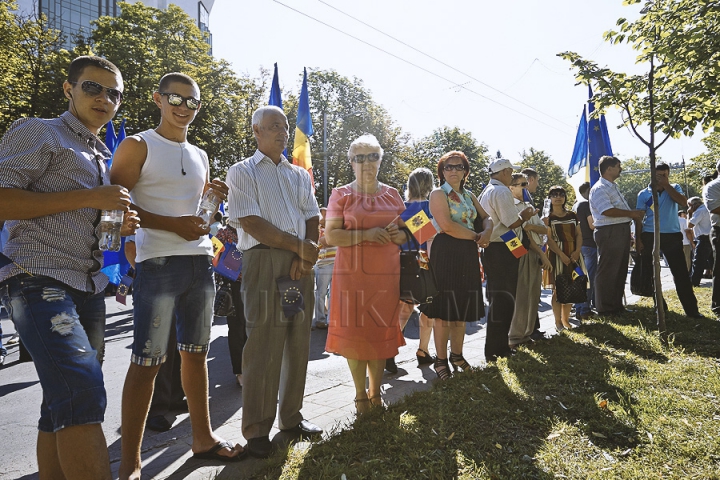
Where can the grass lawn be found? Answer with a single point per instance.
(606, 400)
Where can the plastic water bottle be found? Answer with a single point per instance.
(208, 206)
(109, 230)
(546, 207)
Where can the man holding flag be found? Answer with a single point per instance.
(501, 258)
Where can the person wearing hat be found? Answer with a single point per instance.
(501, 265)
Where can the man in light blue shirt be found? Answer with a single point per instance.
(671, 238)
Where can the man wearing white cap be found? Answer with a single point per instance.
(501, 266)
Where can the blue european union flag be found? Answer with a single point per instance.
(579, 156)
(110, 137)
(598, 141)
(275, 96)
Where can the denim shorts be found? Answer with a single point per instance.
(180, 286)
(63, 329)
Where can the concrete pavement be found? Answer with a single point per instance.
(328, 400)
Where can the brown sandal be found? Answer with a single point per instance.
(362, 405)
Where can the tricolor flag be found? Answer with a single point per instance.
(577, 272)
(513, 243)
(649, 204)
(421, 227)
(303, 130)
(275, 97)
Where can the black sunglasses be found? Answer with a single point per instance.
(523, 184)
(557, 194)
(458, 168)
(93, 89)
(176, 100)
(366, 157)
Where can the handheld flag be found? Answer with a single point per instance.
(275, 97)
(303, 130)
(111, 140)
(514, 244)
(421, 227)
(577, 272)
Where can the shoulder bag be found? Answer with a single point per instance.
(417, 281)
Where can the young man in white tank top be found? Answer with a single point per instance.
(166, 177)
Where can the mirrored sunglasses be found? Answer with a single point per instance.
(366, 157)
(458, 168)
(176, 100)
(93, 89)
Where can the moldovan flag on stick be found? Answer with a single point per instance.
(421, 227)
(513, 243)
(303, 130)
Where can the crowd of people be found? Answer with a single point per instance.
(303, 267)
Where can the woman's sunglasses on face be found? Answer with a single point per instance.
(366, 157)
(93, 89)
(176, 100)
(458, 168)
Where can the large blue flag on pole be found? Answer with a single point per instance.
(275, 97)
(591, 142)
(598, 140)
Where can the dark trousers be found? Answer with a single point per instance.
(501, 269)
(237, 336)
(168, 391)
(671, 246)
(715, 241)
(613, 248)
(703, 252)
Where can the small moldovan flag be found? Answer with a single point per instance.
(421, 227)
(513, 243)
(577, 272)
(649, 204)
(217, 245)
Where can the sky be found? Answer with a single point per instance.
(487, 67)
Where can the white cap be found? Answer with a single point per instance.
(500, 165)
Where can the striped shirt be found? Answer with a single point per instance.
(605, 195)
(282, 194)
(54, 155)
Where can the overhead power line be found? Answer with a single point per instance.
(421, 68)
(444, 63)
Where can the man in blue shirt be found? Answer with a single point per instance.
(671, 239)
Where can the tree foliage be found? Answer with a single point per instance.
(146, 43)
(550, 173)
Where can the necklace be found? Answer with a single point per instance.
(182, 150)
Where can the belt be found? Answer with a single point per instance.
(259, 246)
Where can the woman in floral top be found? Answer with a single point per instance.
(454, 259)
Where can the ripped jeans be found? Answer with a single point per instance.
(64, 331)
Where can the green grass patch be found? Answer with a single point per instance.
(607, 400)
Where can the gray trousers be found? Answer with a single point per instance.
(613, 248)
(276, 351)
(527, 299)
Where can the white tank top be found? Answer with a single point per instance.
(164, 190)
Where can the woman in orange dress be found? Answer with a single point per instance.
(363, 222)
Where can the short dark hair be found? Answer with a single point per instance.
(530, 172)
(172, 77)
(662, 166)
(78, 65)
(584, 188)
(606, 161)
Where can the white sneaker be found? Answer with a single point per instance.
(2, 359)
(13, 340)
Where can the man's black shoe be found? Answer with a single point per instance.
(537, 335)
(259, 447)
(390, 365)
(305, 429)
(158, 423)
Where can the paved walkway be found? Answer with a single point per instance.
(328, 401)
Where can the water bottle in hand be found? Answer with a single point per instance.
(208, 206)
(546, 208)
(109, 230)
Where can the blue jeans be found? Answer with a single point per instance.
(64, 331)
(323, 276)
(591, 260)
(181, 286)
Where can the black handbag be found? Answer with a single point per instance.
(417, 281)
(641, 277)
(569, 290)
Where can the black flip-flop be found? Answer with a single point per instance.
(212, 453)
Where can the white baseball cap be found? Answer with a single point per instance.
(501, 164)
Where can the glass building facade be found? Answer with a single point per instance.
(73, 17)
